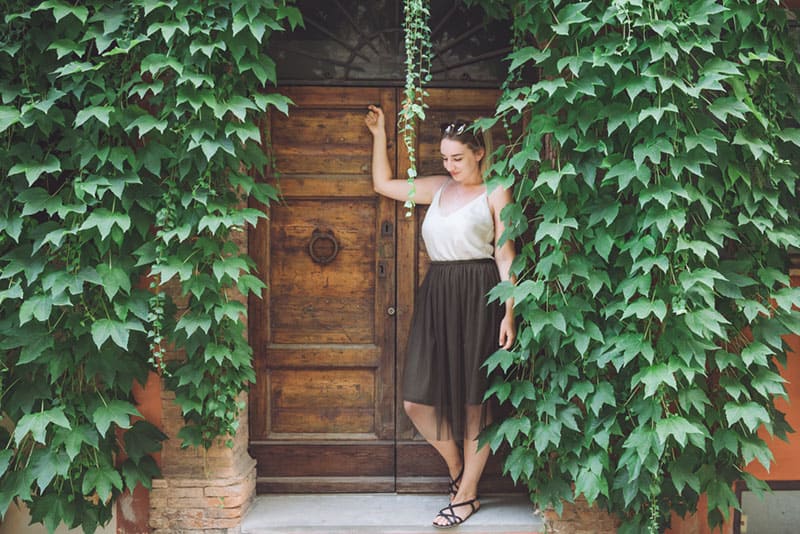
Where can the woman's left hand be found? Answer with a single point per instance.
(508, 331)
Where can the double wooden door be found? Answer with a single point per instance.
(342, 265)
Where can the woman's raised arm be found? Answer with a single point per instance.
(382, 177)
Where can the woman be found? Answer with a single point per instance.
(454, 329)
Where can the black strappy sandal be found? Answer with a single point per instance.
(453, 485)
(448, 513)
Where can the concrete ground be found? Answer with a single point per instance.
(383, 513)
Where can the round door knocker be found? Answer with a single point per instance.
(323, 247)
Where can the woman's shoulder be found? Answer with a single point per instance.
(499, 197)
(427, 187)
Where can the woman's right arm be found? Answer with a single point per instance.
(382, 177)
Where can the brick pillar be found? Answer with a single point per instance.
(202, 491)
(580, 518)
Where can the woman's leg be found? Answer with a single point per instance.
(474, 463)
(426, 423)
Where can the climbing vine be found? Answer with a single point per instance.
(129, 146)
(419, 55)
(655, 189)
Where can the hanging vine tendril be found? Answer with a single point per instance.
(417, 30)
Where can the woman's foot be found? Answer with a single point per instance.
(449, 518)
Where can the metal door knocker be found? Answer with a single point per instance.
(323, 246)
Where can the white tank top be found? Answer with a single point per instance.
(465, 234)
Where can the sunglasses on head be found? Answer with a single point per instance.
(454, 128)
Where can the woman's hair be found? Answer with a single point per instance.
(476, 139)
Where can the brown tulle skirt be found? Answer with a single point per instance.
(453, 330)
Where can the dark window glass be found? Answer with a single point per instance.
(360, 42)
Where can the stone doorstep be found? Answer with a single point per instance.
(383, 513)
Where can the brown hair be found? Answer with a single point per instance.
(466, 132)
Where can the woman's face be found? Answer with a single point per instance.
(461, 161)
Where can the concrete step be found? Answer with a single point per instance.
(383, 513)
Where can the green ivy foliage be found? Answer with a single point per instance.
(656, 196)
(419, 56)
(129, 145)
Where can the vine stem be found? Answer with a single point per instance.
(416, 26)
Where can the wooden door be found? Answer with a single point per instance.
(322, 408)
(330, 333)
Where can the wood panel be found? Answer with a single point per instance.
(323, 341)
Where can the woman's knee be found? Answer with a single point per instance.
(411, 408)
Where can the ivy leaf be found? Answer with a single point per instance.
(36, 424)
(644, 441)
(9, 116)
(790, 135)
(693, 398)
(114, 279)
(77, 437)
(34, 169)
(677, 427)
(102, 480)
(521, 390)
(33, 350)
(142, 472)
(756, 449)
(45, 465)
(168, 28)
(191, 322)
(521, 461)
(546, 433)
(142, 439)
(233, 310)
(278, 101)
(101, 113)
(705, 322)
(499, 389)
(769, 384)
(145, 123)
(653, 377)
(603, 396)
(526, 54)
(591, 485)
(117, 412)
(554, 230)
(103, 329)
(5, 460)
(230, 266)
(749, 413)
(154, 64)
(247, 283)
(682, 473)
(515, 426)
(104, 220)
(569, 15)
(501, 358)
(730, 105)
(706, 138)
(757, 146)
(757, 353)
(62, 9)
(643, 308)
(721, 496)
(38, 307)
